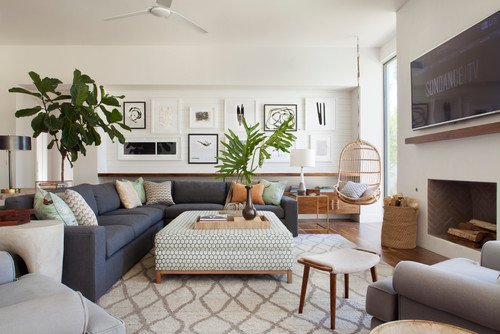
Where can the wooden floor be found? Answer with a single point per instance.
(367, 236)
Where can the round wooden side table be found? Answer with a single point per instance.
(418, 327)
(40, 243)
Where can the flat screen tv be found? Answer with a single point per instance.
(459, 79)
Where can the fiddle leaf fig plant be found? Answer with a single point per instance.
(72, 120)
(242, 158)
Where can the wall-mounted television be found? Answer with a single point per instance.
(460, 79)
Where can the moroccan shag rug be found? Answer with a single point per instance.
(241, 303)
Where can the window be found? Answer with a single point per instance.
(390, 127)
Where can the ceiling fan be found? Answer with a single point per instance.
(161, 8)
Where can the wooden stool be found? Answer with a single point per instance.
(343, 261)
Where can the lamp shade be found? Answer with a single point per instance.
(302, 158)
(12, 143)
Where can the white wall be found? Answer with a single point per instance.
(266, 72)
(421, 26)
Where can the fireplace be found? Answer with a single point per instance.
(453, 202)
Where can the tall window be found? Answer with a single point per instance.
(390, 127)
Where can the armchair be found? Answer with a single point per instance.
(36, 303)
(458, 291)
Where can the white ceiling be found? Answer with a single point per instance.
(229, 22)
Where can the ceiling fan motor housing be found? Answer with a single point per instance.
(160, 11)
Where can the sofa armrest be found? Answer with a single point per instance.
(462, 296)
(63, 313)
(291, 208)
(84, 258)
(7, 269)
(490, 255)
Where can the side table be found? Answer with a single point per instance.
(40, 243)
(307, 200)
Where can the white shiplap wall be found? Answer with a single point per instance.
(187, 96)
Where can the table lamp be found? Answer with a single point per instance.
(302, 158)
(9, 143)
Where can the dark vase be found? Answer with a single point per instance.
(249, 211)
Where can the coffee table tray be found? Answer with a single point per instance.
(233, 223)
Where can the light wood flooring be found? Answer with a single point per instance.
(367, 236)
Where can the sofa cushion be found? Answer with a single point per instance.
(106, 197)
(138, 222)
(158, 192)
(175, 210)
(86, 191)
(154, 211)
(128, 195)
(117, 236)
(199, 192)
(50, 206)
(278, 211)
(469, 268)
(82, 211)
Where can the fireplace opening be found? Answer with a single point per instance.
(462, 212)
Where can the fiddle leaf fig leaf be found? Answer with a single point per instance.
(24, 91)
(28, 111)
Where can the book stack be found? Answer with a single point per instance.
(214, 218)
(326, 189)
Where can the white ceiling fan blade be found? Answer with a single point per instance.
(142, 12)
(164, 3)
(188, 20)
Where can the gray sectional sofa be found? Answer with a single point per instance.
(95, 257)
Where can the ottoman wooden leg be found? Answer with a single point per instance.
(373, 270)
(333, 299)
(158, 277)
(289, 277)
(305, 278)
(346, 285)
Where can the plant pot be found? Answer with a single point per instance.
(249, 211)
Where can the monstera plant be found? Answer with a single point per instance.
(72, 120)
(242, 158)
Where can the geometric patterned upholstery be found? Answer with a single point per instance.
(82, 211)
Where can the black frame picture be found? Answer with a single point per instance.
(276, 114)
(203, 148)
(134, 114)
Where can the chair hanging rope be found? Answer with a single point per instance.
(359, 168)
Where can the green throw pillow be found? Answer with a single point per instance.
(49, 206)
(139, 187)
(273, 191)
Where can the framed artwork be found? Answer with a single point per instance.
(164, 116)
(276, 114)
(203, 148)
(320, 114)
(235, 110)
(134, 114)
(322, 144)
(278, 155)
(202, 117)
(166, 148)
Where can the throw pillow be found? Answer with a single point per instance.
(240, 193)
(51, 207)
(353, 189)
(158, 192)
(370, 191)
(273, 191)
(83, 212)
(128, 195)
(139, 188)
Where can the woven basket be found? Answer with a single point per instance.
(399, 229)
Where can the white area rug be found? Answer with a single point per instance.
(241, 303)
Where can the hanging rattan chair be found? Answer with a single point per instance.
(360, 164)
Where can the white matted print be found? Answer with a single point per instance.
(277, 114)
(202, 117)
(278, 155)
(165, 116)
(134, 114)
(203, 148)
(235, 110)
(150, 148)
(320, 114)
(322, 145)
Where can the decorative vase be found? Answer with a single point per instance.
(249, 211)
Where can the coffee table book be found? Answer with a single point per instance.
(233, 223)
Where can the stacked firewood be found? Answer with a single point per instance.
(473, 233)
(400, 200)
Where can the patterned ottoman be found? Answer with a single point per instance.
(180, 249)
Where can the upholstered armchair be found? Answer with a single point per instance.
(36, 303)
(458, 291)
